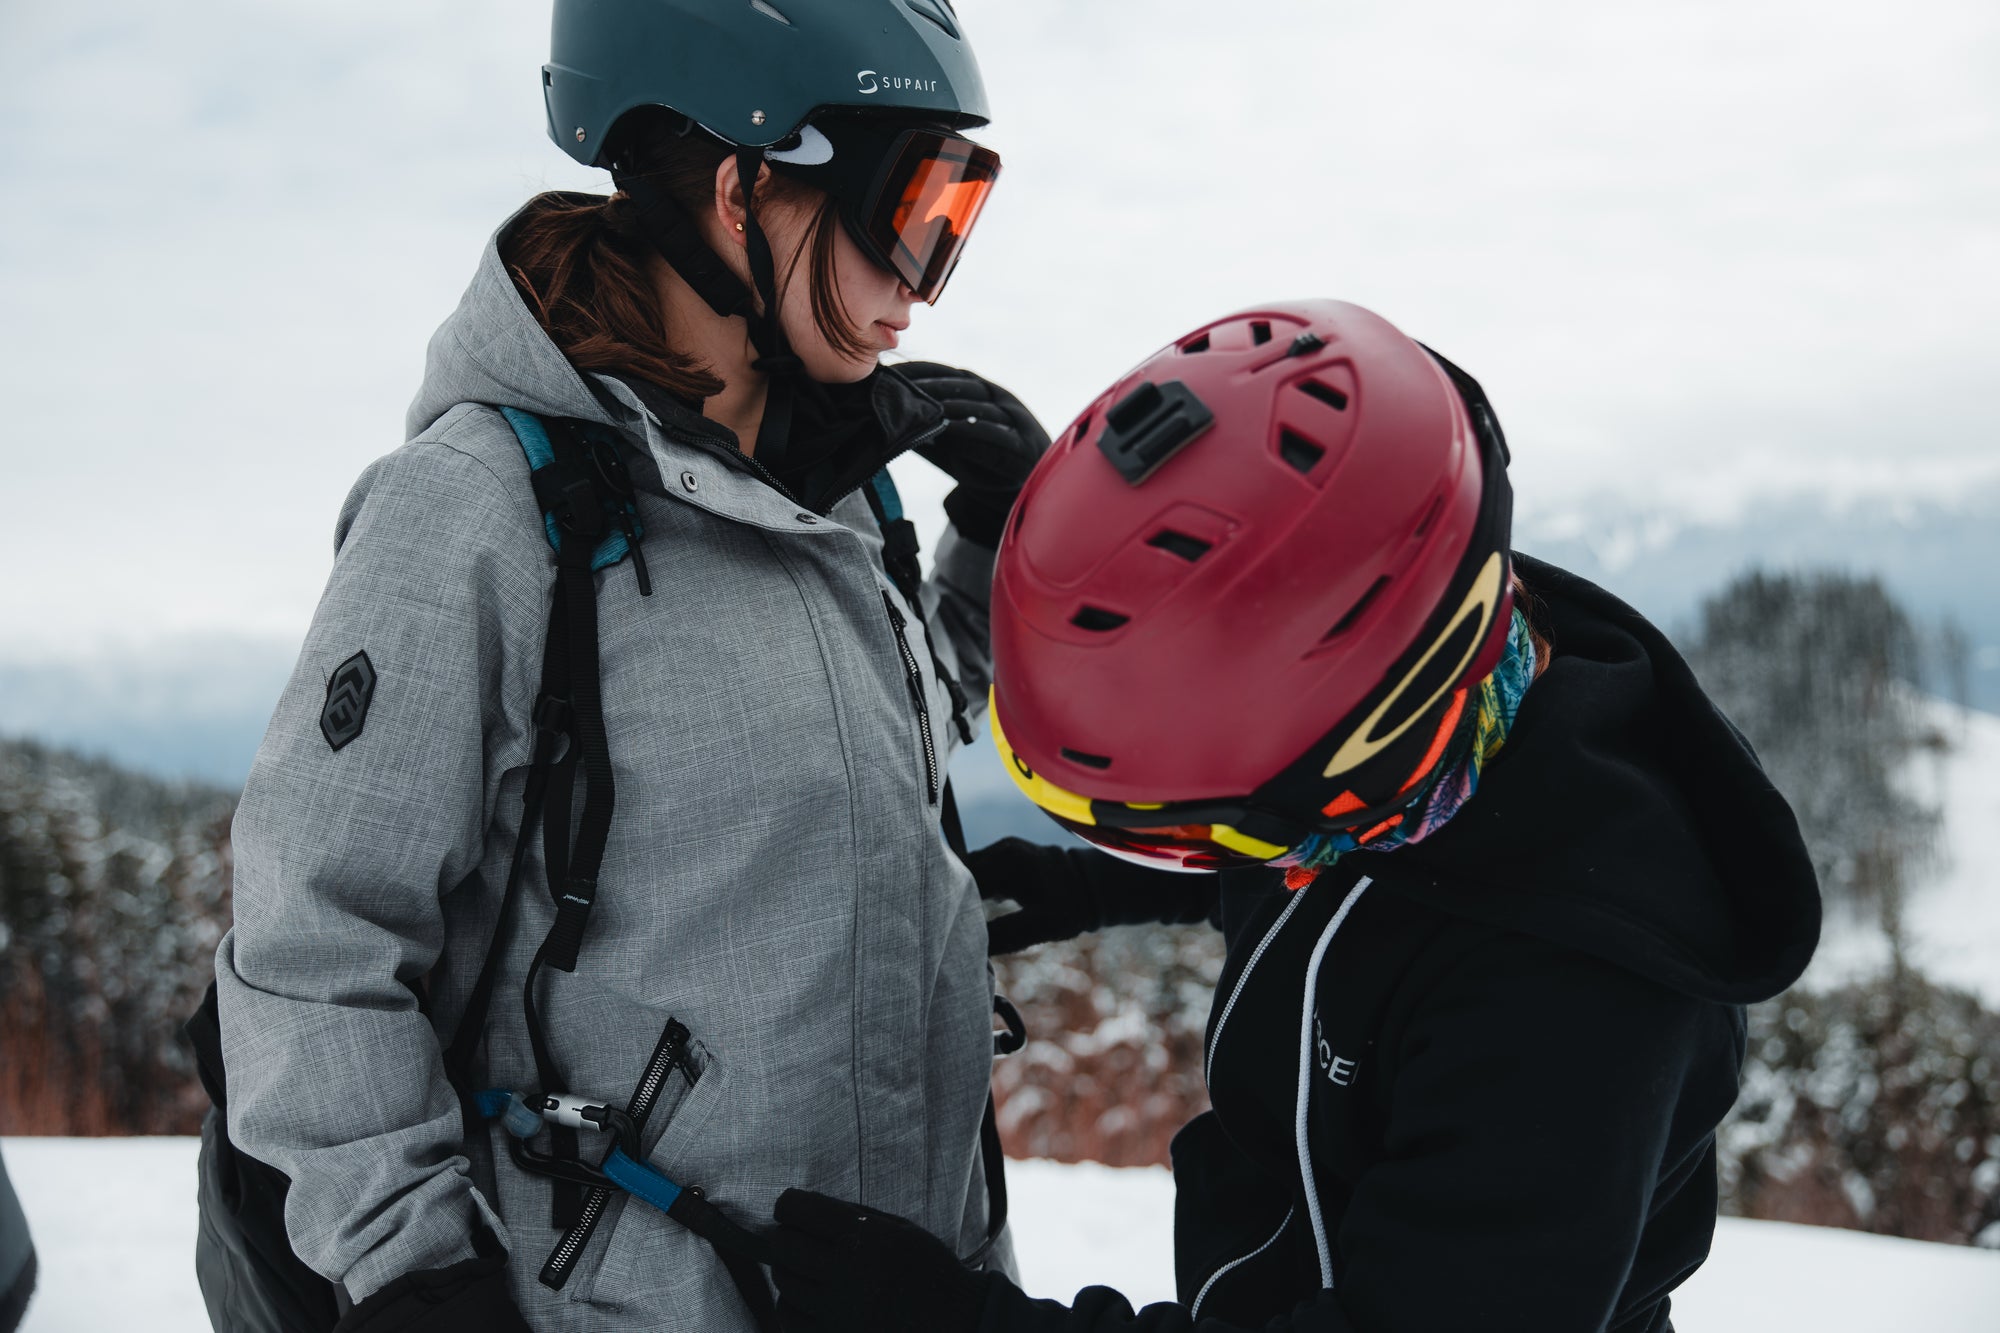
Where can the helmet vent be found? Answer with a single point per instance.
(1087, 760)
(1187, 548)
(1198, 343)
(770, 11)
(1332, 397)
(1260, 332)
(1354, 612)
(935, 12)
(1297, 450)
(1097, 619)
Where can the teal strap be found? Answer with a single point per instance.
(533, 435)
(541, 452)
(888, 504)
(636, 1178)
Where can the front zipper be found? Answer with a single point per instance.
(1242, 979)
(669, 1054)
(913, 675)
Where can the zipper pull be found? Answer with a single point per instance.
(675, 1047)
(631, 529)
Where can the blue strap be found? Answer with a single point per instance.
(634, 1178)
(541, 452)
(889, 504)
(533, 435)
(642, 1181)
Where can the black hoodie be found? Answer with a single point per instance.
(1473, 1083)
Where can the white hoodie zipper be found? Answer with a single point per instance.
(1194, 1311)
(1215, 1042)
(1306, 1068)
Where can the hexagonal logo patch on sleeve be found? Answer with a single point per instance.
(347, 696)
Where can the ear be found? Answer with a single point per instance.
(729, 209)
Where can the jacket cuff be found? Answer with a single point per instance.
(446, 1246)
(470, 1296)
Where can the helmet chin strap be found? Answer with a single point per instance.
(679, 242)
(782, 370)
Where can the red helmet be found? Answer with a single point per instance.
(1238, 600)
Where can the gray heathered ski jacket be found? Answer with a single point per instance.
(776, 879)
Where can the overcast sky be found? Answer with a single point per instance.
(1697, 251)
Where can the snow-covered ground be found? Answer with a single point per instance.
(1953, 916)
(114, 1220)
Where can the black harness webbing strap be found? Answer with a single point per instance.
(571, 494)
(579, 886)
(567, 1202)
(551, 724)
(954, 827)
(743, 1253)
(899, 561)
(993, 1158)
(562, 774)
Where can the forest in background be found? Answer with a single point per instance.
(1874, 1105)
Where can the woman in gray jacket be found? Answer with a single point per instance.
(776, 905)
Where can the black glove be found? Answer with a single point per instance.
(1069, 891)
(843, 1268)
(468, 1297)
(990, 443)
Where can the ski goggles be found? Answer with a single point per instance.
(908, 196)
(1220, 834)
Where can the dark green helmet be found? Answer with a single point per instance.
(753, 71)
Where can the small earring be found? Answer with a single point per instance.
(739, 226)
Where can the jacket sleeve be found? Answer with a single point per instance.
(956, 600)
(344, 854)
(1541, 1095)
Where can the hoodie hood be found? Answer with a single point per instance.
(1626, 817)
(493, 350)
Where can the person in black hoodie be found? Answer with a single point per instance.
(1489, 935)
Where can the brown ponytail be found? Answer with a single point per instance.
(1530, 606)
(586, 269)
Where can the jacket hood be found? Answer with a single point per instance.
(1626, 817)
(492, 350)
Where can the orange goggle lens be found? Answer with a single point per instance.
(931, 196)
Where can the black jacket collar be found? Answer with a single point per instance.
(841, 435)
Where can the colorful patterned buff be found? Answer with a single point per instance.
(1498, 699)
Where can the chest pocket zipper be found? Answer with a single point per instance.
(913, 676)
